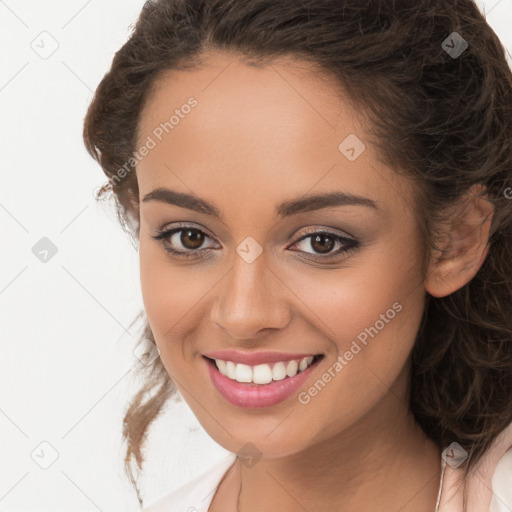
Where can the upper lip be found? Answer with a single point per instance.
(254, 358)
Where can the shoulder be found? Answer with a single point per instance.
(488, 484)
(501, 484)
(196, 495)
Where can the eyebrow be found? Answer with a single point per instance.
(302, 204)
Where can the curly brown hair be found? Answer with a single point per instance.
(444, 121)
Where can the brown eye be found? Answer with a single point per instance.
(192, 238)
(322, 243)
(184, 242)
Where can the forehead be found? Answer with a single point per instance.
(273, 130)
(227, 81)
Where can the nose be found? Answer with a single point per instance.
(251, 298)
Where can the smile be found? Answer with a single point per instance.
(263, 373)
(260, 385)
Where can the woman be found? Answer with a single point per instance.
(318, 191)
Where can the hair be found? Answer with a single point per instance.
(444, 122)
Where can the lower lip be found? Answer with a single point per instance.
(257, 395)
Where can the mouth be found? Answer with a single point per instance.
(265, 373)
(262, 385)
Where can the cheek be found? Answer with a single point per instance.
(371, 314)
(176, 300)
(371, 327)
(346, 302)
(167, 293)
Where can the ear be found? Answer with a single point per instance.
(461, 243)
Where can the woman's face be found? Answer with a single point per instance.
(270, 268)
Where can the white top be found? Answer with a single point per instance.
(197, 495)
(502, 485)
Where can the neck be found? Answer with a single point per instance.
(382, 462)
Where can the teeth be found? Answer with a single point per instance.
(262, 373)
(303, 364)
(279, 371)
(291, 368)
(243, 373)
(230, 370)
(222, 366)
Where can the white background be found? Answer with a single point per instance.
(66, 344)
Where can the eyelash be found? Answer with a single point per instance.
(164, 235)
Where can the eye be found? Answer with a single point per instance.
(186, 242)
(322, 244)
(189, 238)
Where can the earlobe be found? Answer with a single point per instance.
(464, 244)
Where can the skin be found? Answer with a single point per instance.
(258, 137)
